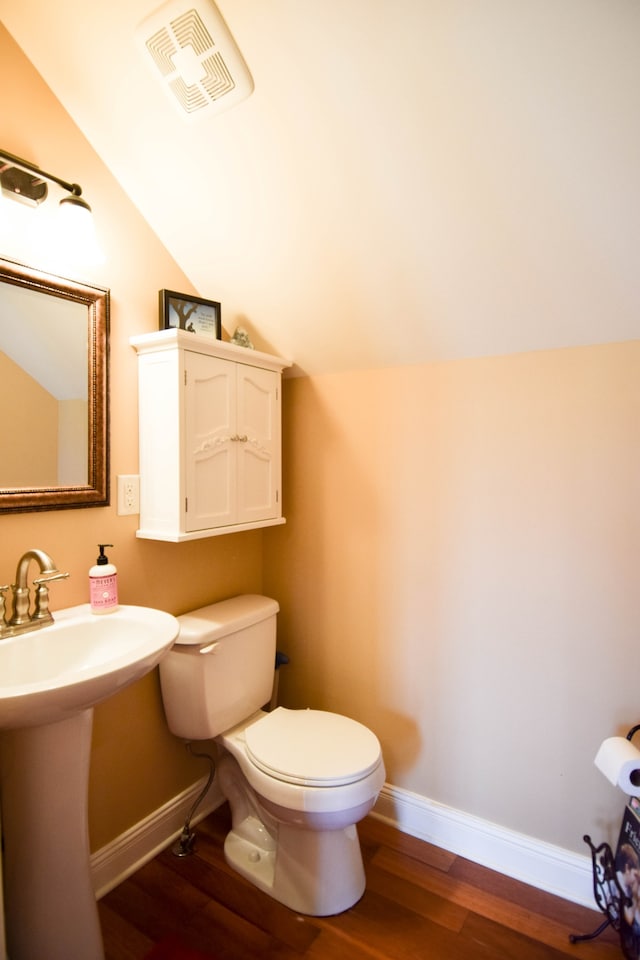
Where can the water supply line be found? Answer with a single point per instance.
(184, 845)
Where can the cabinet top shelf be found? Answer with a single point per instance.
(173, 339)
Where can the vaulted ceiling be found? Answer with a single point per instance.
(410, 180)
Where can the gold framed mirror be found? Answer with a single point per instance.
(54, 372)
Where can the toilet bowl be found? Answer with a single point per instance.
(297, 781)
(295, 808)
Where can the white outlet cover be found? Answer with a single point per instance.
(128, 494)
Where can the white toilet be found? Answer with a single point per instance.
(297, 781)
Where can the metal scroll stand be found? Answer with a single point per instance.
(609, 895)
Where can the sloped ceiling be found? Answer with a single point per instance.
(411, 180)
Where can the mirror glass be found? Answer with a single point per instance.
(53, 391)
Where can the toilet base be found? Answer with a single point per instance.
(335, 882)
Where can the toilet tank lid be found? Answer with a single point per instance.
(223, 618)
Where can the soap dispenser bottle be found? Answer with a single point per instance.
(103, 583)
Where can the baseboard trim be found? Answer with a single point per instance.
(117, 860)
(541, 865)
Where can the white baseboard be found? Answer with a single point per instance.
(132, 849)
(535, 862)
(542, 865)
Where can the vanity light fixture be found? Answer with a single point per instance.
(27, 183)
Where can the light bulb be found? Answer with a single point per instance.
(78, 230)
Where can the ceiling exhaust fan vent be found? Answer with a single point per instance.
(195, 57)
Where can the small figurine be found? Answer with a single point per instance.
(241, 338)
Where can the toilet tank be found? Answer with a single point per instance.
(220, 670)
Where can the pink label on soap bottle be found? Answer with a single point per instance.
(104, 592)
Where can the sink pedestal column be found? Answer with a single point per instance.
(50, 905)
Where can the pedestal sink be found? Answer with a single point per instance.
(50, 680)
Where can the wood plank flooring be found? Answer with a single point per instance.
(420, 902)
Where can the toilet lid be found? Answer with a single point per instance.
(312, 747)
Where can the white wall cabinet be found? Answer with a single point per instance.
(210, 436)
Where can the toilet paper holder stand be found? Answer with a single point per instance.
(608, 894)
(607, 891)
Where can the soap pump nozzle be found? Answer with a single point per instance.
(103, 558)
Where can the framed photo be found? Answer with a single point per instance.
(182, 311)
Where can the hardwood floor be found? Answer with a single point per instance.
(420, 902)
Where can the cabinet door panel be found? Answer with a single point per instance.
(258, 424)
(210, 453)
(211, 502)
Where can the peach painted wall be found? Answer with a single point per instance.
(73, 443)
(459, 571)
(136, 764)
(21, 459)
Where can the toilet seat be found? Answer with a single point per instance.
(312, 747)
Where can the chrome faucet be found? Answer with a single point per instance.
(22, 618)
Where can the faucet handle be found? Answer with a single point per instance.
(41, 610)
(52, 576)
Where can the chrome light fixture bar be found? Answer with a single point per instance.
(26, 182)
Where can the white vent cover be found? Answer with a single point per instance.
(192, 52)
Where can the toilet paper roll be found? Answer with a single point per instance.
(619, 760)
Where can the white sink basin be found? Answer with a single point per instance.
(50, 674)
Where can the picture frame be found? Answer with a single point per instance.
(183, 311)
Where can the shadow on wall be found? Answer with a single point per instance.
(327, 566)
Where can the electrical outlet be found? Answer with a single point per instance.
(128, 494)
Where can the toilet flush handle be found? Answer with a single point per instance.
(209, 647)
